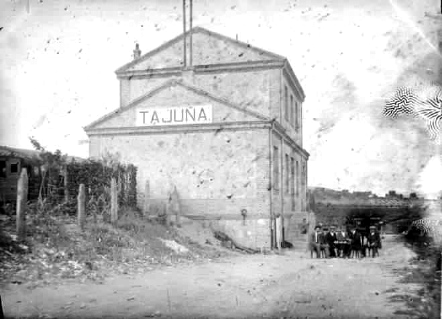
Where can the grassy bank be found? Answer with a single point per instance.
(425, 271)
(56, 249)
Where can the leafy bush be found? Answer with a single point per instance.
(97, 176)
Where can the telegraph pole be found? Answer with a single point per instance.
(187, 62)
(190, 34)
(184, 33)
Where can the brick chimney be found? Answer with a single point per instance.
(137, 51)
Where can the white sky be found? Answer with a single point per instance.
(58, 61)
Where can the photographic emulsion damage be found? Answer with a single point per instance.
(220, 159)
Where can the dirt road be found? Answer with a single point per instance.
(289, 285)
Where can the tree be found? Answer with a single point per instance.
(52, 166)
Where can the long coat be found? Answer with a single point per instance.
(331, 238)
(355, 240)
(313, 237)
(374, 239)
(320, 236)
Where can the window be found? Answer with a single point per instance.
(14, 168)
(286, 103)
(275, 168)
(292, 183)
(2, 168)
(298, 115)
(287, 174)
(292, 116)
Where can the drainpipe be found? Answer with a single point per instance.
(282, 158)
(271, 182)
(281, 118)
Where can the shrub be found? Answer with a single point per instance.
(96, 176)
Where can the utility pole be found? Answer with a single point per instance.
(184, 33)
(190, 35)
(187, 62)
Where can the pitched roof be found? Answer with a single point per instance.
(7, 151)
(208, 48)
(18, 152)
(166, 85)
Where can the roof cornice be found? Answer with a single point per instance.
(219, 67)
(164, 129)
(281, 131)
(291, 75)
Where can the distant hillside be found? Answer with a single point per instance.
(394, 210)
(329, 196)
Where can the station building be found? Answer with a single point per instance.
(221, 121)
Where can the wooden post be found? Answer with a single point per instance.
(175, 205)
(22, 202)
(146, 207)
(66, 184)
(114, 201)
(81, 206)
(165, 213)
(1, 309)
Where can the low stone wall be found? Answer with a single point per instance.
(249, 233)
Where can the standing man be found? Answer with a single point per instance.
(331, 241)
(324, 246)
(374, 241)
(355, 242)
(315, 241)
(318, 243)
(343, 242)
(364, 245)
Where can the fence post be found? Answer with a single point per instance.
(66, 184)
(146, 207)
(114, 201)
(81, 206)
(22, 199)
(165, 212)
(1, 309)
(175, 206)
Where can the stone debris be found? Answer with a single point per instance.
(180, 249)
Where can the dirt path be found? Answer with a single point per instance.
(271, 286)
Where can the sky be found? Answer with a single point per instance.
(58, 62)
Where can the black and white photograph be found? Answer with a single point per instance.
(220, 159)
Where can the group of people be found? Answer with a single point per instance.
(348, 242)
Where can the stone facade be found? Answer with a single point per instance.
(247, 154)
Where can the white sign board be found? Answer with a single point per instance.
(180, 115)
